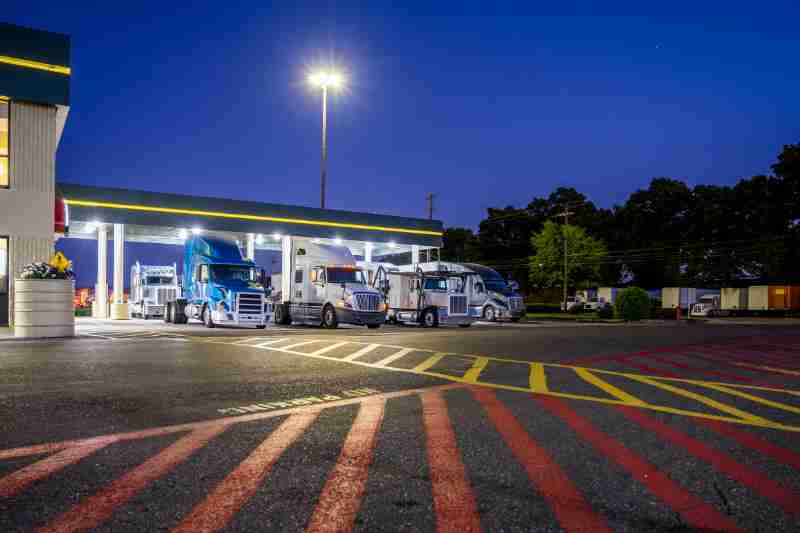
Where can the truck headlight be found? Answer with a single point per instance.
(344, 304)
(382, 307)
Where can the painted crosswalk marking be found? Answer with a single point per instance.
(629, 394)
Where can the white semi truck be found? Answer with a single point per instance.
(491, 296)
(326, 288)
(152, 287)
(426, 298)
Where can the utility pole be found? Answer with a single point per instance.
(324, 147)
(566, 215)
(430, 205)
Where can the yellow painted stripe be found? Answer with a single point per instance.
(538, 378)
(428, 363)
(245, 216)
(753, 398)
(607, 387)
(4, 98)
(702, 399)
(477, 367)
(38, 65)
(768, 368)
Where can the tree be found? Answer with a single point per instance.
(459, 245)
(585, 254)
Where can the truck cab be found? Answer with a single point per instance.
(327, 288)
(426, 298)
(492, 298)
(220, 286)
(152, 288)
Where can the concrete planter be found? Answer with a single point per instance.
(43, 308)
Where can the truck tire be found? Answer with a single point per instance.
(179, 312)
(489, 314)
(373, 326)
(516, 319)
(282, 315)
(329, 319)
(168, 313)
(464, 325)
(430, 319)
(208, 321)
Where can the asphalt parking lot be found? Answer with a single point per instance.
(499, 427)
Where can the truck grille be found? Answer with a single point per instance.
(250, 303)
(515, 303)
(458, 304)
(367, 302)
(166, 294)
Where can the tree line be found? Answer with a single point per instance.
(669, 234)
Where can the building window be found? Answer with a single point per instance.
(4, 180)
(3, 265)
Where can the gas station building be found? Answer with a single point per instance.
(36, 210)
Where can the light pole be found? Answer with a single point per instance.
(325, 79)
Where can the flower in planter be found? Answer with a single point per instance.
(59, 268)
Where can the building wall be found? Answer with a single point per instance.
(26, 208)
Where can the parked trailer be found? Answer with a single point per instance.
(774, 297)
(607, 294)
(427, 298)
(683, 297)
(733, 300)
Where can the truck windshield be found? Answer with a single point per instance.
(436, 284)
(495, 284)
(232, 273)
(159, 280)
(345, 275)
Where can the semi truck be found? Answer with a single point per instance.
(152, 287)
(491, 297)
(326, 288)
(426, 298)
(220, 286)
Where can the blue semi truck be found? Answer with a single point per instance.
(219, 286)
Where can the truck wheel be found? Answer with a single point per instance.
(207, 320)
(515, 319)
(261, 326)
(430, 319)
(373, 326)
(168, 317)
(282, 316)
(179, 313)
(329, 319)
(464, 325)
(489, 314)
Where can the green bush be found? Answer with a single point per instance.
(632, 303)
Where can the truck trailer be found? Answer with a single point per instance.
(220, 286)
(152, 287)
(426, 298)
(326, 288)
(773, 297)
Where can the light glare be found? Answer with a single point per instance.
(326, 79)
(196, 231)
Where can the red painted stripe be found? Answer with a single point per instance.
(677, 364)
(657, 372)
(569, 506)
(18, 480)
(749, 440)
(731, 361)
(341, 497)
(737, 355)
(456, 510)
(723, 462)
(238, 487)
(99, 507)
(692, 509)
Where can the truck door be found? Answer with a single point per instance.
(316, 298)
(298, 294)
(202, 281)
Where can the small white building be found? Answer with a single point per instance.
(34, 102)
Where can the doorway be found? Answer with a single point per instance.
(3, 281)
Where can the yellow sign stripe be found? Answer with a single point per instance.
(4, 98)
(753, 398)
(428, 363)
(702, 399)
(38, 65)
(245, 216)
(477, 367)
(608, 387)
(538, 378)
